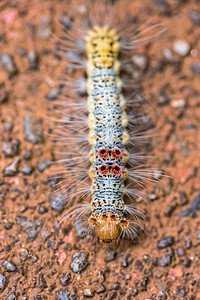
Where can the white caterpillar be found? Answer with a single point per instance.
(107, 214)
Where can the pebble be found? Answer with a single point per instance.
(170, 209)
(44, 30)
(65, 279)
(165, 242)
(42, 210)
(9, 126)
(193, 206)
(168, 55)
(126, 261)
(195, 17)
(115, 286)
(27, 169)
(24, 223)
(101, 288)
(42, 281)
(180, 251)
(12, 168)
(9, 266)
(186, 262)
(43, 165)
(110, 255)
(88, 293)
(144, 283)
(180, 103)
(162, 99)
(80, 229)
(32, 60)
(52, 94)
(33, 129)
(140, 61)
(11, 147)
(183, 198)
(57, 201)
(66, 20)
(12, 296)
(3, 94)
(80, 85)
(134, 291)
(8, 64)
(79, 262)
(112, 295)
(32, 235)
(28, 155)
(195, 67)
(2, 282)
(181, 47)
(139, 265)
(62, 294)
(165, 260)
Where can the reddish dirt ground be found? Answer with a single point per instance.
(35, 256)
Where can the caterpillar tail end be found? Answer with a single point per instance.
(108, 226)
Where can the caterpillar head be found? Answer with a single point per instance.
(108, 225)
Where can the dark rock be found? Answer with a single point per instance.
(66, 20)
(57, 201)
(165, 260)
(183, 198)
(194, 205)
(8, 126)
(101, 288)
(3, 94)
(2, 282)
(79, 262)
(32, 235)
(11, 147)
(24, 222)
(38, 297)
(27, 155)
(110, 255)
(8, 64)
(65, 279)
(27, 170)
(33, 129)
(163, 6)
(9, 266)
(126, 261)
(165, 242)
(43, 165)
(195, 67)
(42, 281)
(134, 291)
(195, 17)
(144, 283)
(115, 286)
(42, 210)
(170, 209)
(62, 294)
(188, 244)
(12, 168)
(162, 99)
(139, 265)
(53, 94)
(186, 262)
(12, 296)
(112, 295)
(88, 293)
(32, 60)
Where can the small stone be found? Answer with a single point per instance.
(186, 262)
(38, 297)
(140, 61)
(53, 94)
(182, 48)
(9, 266)
(62, 294)
(8, 64)
(180, 251)
(195, 17)
(12, 296)
(101, 288)
(2, 282)
(110, 255)
(183, 198)
(134, 291)
(79, 262)
(112, 295)
(33, 129)
(42, 281)
(42, 210)
(168, 55)
(144, 283)
(11, 147)
(162, 99)
(126, 261)
(27, 170)
(165, 242)
(165, 260)
(180, 103)
(139, 265)
(3, 94)
(115, 286)
(66, 20)
(169, 210)
(44, 30)
(27, 155)
(12, 168)
(193, 206)
(65, 279)
(43, 165)
(57, 201)
(45, 233)
(8, 126)
(195, 67)
(80, 86)
(32, 235)
(88, 293)
(198, 235)
(80, 229)
(32, 60)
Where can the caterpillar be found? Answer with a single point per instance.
(107, 144)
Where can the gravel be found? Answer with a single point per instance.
(8, 64)
(182, 48)
(2, 282)
(88, 293)
(11, 147)
(33, 129)
(110, 255)
(27, 169)
(195, 17)
(65, 279)
(195, 68)
(57, 201)
(12, 168)
(9, 266)
(62, 294)
(165, 260)
(165, 242)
